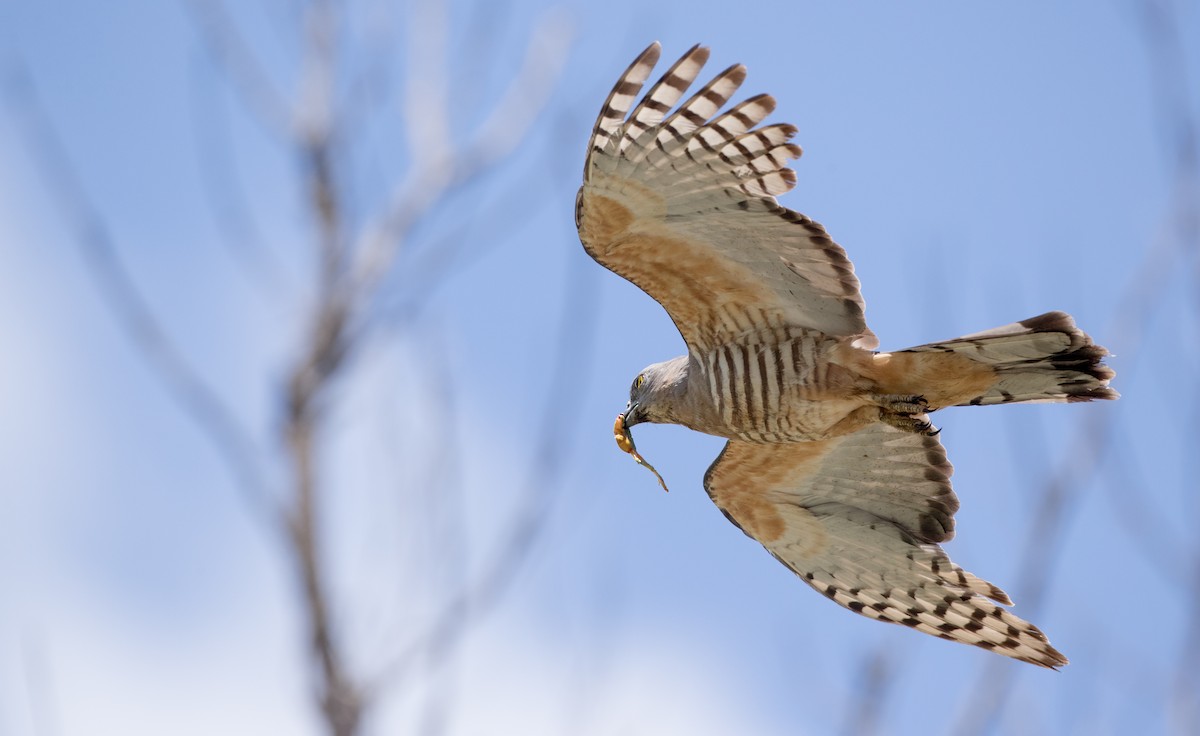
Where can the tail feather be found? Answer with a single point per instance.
(1040, 359)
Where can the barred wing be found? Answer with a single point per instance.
(858, 518)
(683, 204)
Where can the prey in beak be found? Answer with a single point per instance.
(624, 440)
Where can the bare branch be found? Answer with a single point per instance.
(230, 52)
(1174, 94)
(427, 88)
(1140, 299)
(1148, 530)
(433, 264)
(343, 298)
(227, 198)
(525, 97)
(129, 307)
(877, 679)
(341, 700)
(317, 368)
(1040, 549)
(548, 466)
(505, 127)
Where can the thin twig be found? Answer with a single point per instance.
(129, 307)
(227, 198)
(506, 126)
(1040, 549)
(877, 677)
(346, 292)
(1173, 93)
(318, 368)
(1140, 299)
(545, 475)
(231, 53)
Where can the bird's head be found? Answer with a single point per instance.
(638, 408)
(652, 398)
(654, 391)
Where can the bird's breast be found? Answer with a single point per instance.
(777, 386)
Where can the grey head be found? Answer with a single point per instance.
(659, 394)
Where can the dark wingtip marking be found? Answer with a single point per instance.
(936, 474)
(935, 527)
(734, 72)
(1050, 322)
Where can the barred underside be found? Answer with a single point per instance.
(858, 518)
(1037, 360)
(933, 603)
(706, 180)
(770, 386)
(609, 124)
(650, 112)
(684, 154)
(678, 197)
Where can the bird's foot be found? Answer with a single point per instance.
(902, 404)
(907, 413)
(915, 423)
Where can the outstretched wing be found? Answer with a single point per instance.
(858, 518)
(683, 204)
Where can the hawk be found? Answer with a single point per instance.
(831, 461)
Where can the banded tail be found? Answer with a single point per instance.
(1040, 359)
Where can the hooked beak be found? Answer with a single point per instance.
(631, 415)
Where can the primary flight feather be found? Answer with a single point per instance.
(832, 463)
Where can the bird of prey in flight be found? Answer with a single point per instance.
(831, 463)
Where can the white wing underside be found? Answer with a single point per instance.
(679, 198)
(695, 221)
(859, 517)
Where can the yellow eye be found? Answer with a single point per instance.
(637, 385)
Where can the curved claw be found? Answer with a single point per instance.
(904, 404)
(915, 423)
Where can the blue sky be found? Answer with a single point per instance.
(979, 164)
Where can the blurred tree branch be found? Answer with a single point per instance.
(240, 233)
(1160, 26)
(877, 678)
(234, 56)
(546, 472)
(1142, 297)
(353, 264)
(129, 305)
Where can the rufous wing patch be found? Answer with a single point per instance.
(746, 480)
(698, 287)
(601, 222)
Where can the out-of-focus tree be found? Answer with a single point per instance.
(378, 230)
(360, 284)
